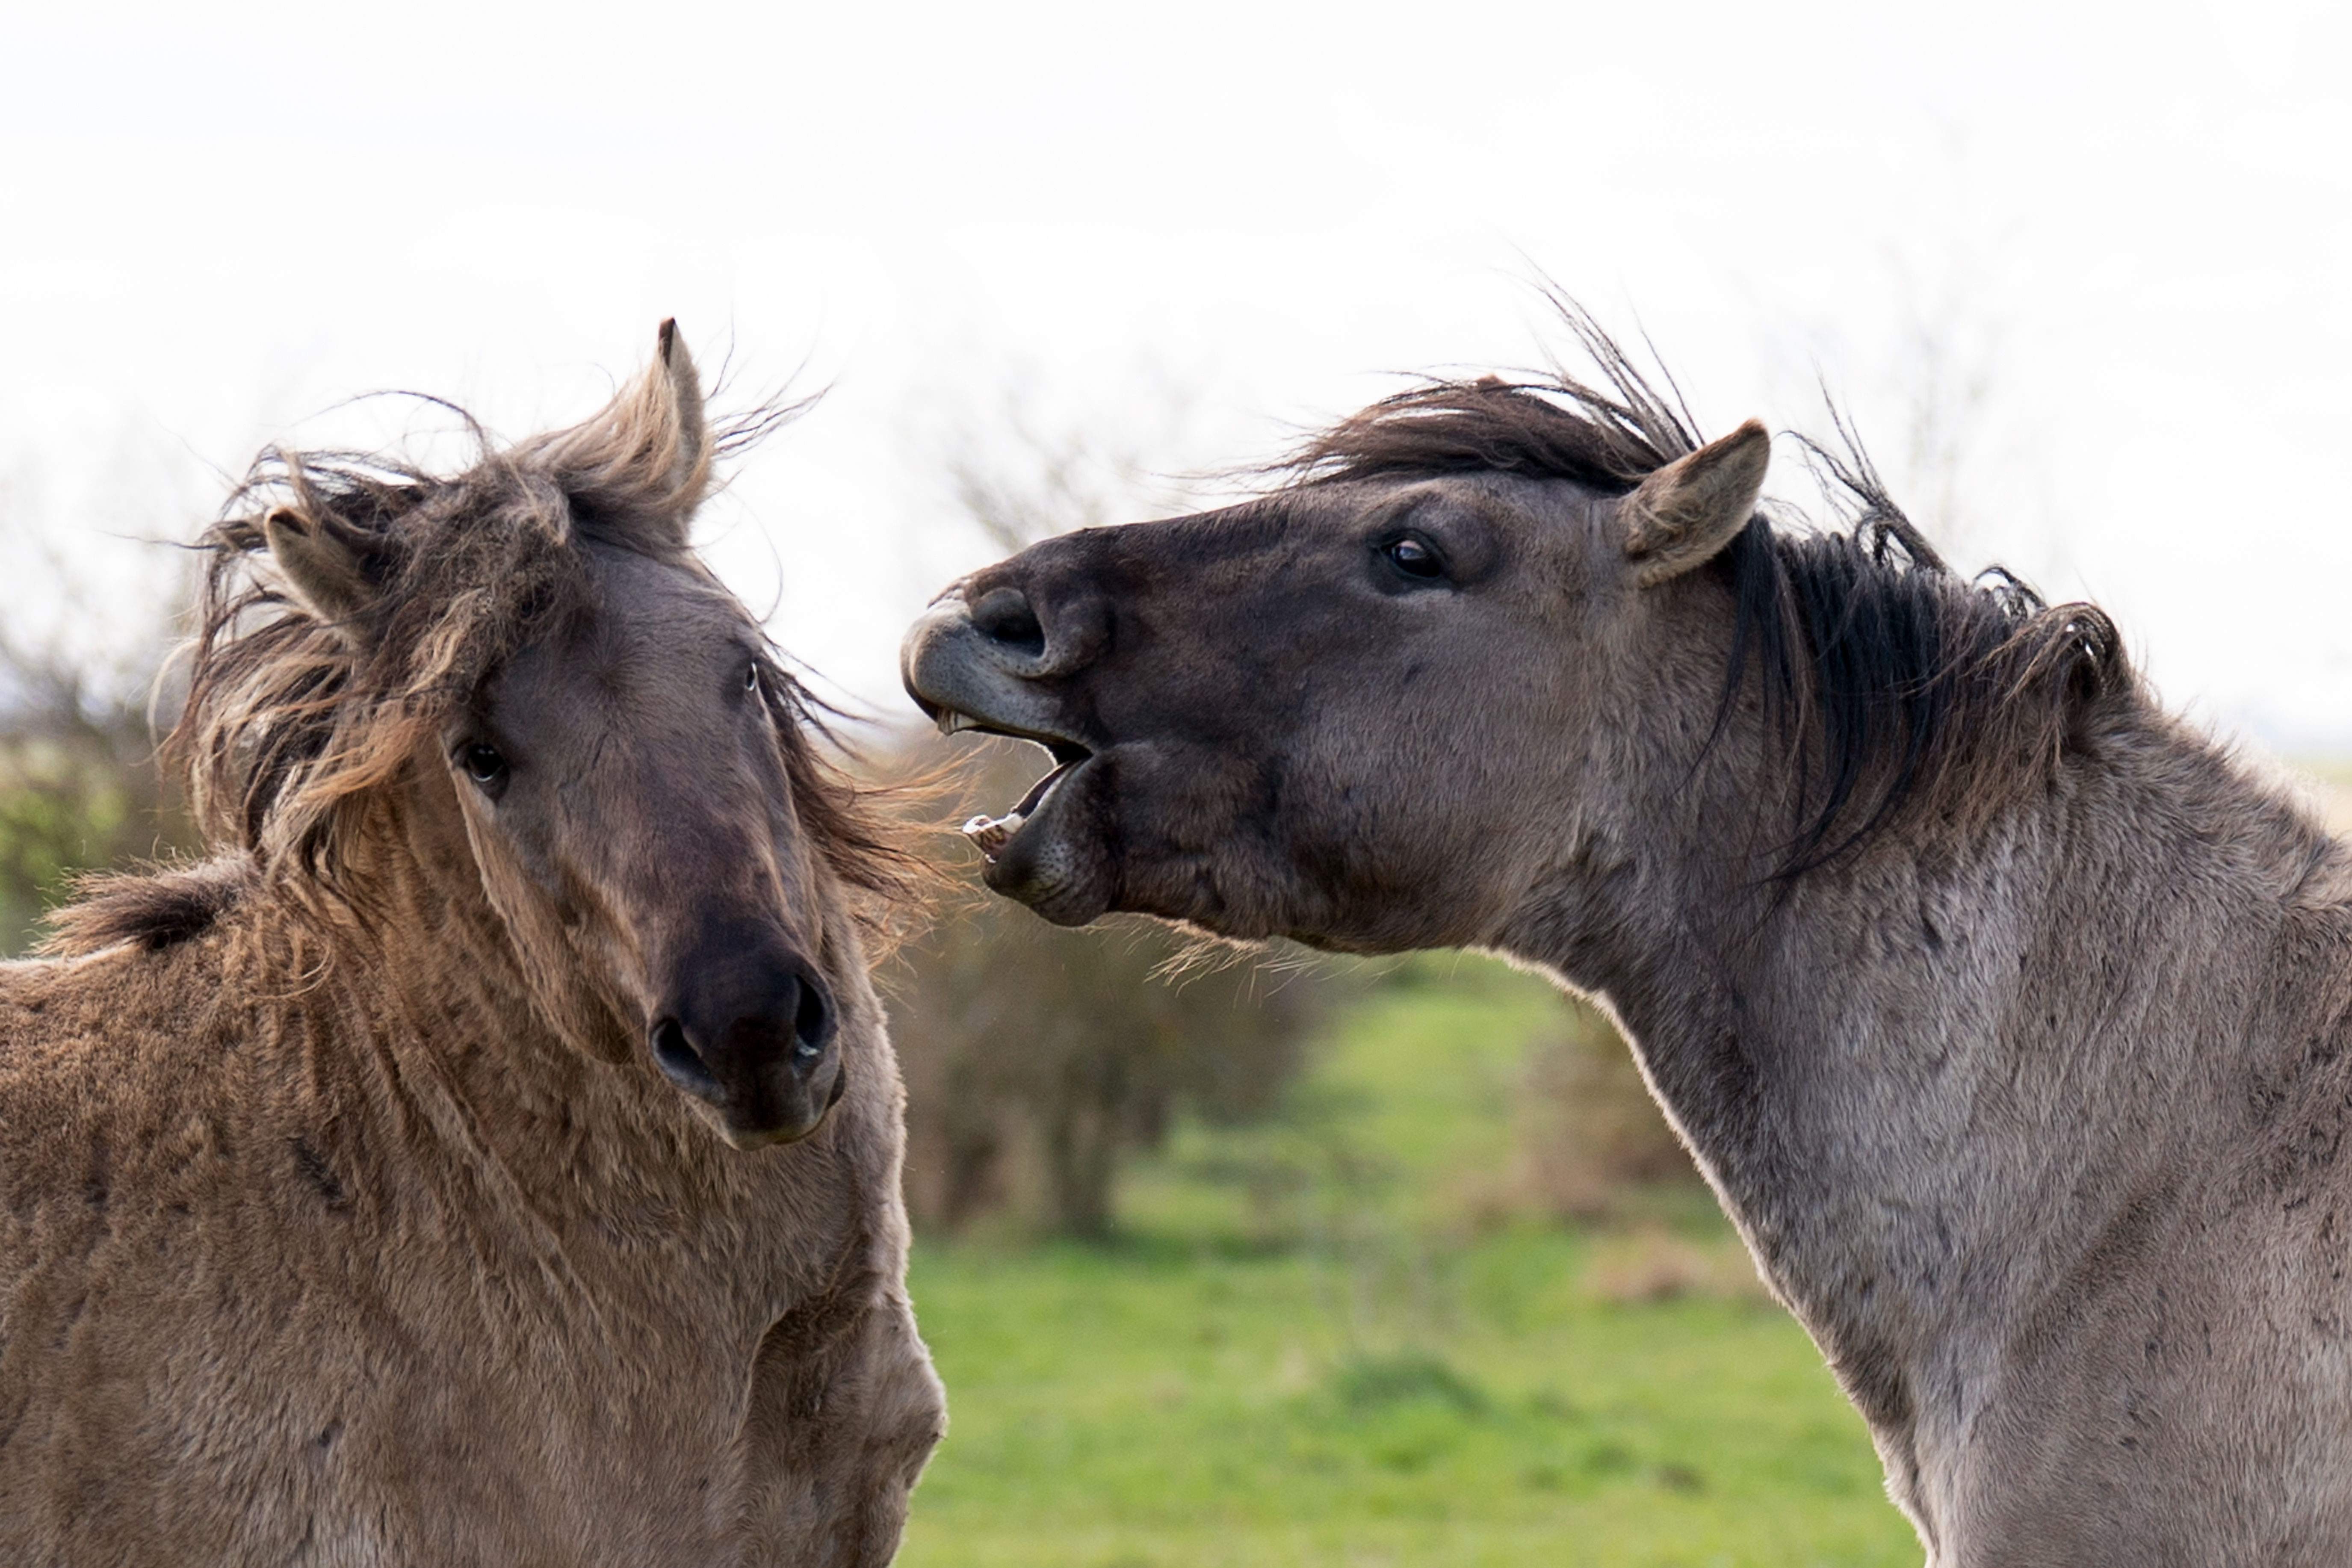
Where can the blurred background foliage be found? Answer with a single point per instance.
(83, 679)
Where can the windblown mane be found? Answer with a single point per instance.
(293, 729)
(1895, 685)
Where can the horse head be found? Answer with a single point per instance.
(1324, 714)
(522, 685)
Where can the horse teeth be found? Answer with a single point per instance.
(950, 721)
(991, 834)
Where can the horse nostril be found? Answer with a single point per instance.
(1003, 615)
(679, 1060)
(812, 1022)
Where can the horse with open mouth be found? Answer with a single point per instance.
(491, 1155)
(2009, 1017)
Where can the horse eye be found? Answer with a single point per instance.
(1415, 559)
(483, 765)
(752, 678)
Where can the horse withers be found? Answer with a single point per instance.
(491, 1155)
(2007, 1014)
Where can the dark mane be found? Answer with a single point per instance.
(1894, 685)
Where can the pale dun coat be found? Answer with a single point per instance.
(491, 1157)
(2007, 1016)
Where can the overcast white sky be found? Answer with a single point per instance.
(2104, 248)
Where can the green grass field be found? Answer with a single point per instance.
(1306, 1349)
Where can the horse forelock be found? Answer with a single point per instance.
(291, 720)
(1893, 684)
(1545, 429)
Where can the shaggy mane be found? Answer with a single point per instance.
(294, 729)
(1895, 685)
(152, 909)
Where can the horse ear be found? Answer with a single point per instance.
(645, 456)
(326, 571)
(680, 400)
(1688, 512)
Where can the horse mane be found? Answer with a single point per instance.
(294, 726)
(152, 908)
(1896, 686)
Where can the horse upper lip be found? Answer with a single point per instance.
(1064, 748)
(956, 675)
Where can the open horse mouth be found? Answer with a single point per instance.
(992, 834)
(1053, 850)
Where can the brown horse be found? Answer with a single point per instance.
(2010, 1018)
(491, 1156)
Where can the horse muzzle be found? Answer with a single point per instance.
(753, 1039)
(994, 666)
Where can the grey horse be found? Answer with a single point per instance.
(2006, 1013)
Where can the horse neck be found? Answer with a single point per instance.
(1950, 1050)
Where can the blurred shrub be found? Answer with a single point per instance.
(80, 786)
(74, 796)
(1037, 1056)
(1587, 1132)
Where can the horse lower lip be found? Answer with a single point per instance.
(991, 835)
